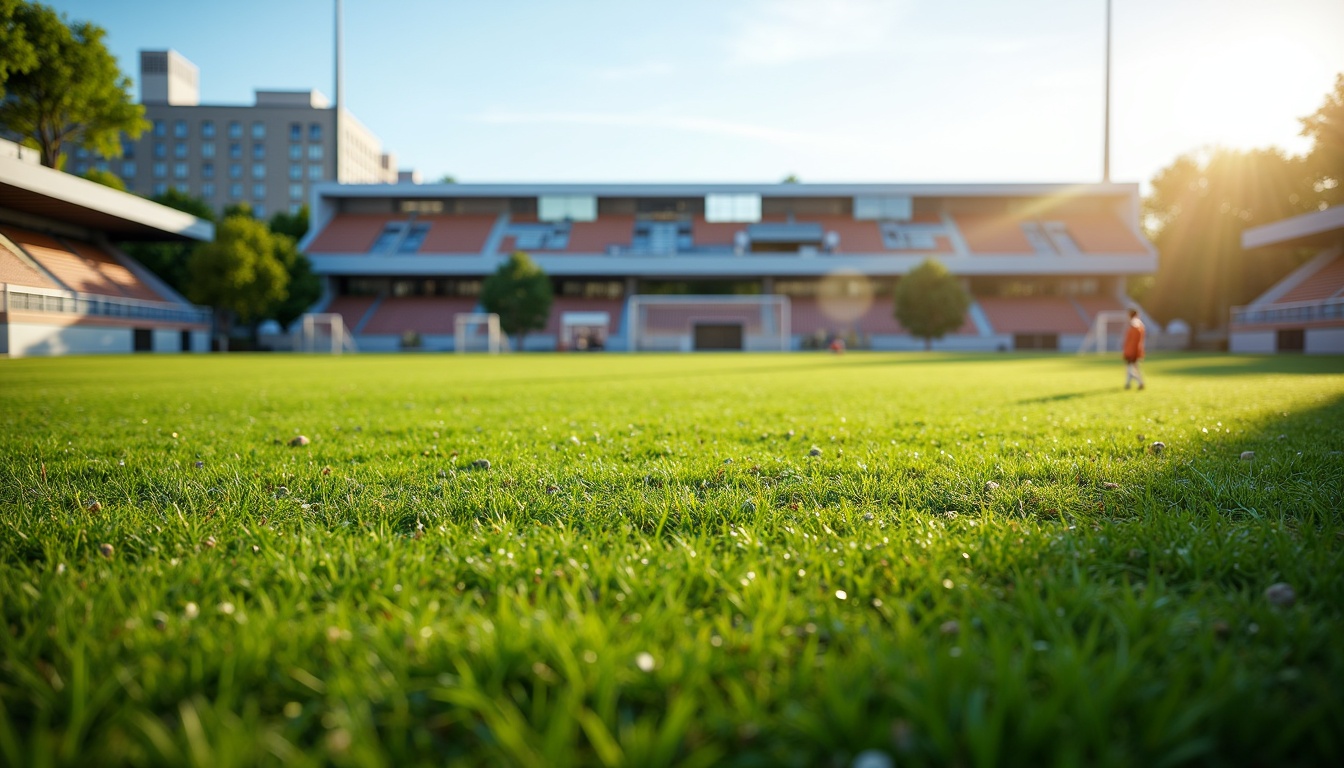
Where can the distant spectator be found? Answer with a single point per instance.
(1133, 349)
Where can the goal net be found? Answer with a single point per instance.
(325, 333)
(704, 323)
(477, 332)
(1107, 332)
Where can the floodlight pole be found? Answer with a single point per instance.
(1106, 141)
(336, 129)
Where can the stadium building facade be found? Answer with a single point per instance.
(268, 154)
(1041, 261)
(64, 286)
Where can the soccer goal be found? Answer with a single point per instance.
(477, 332)
(1109, 324)
(707, 323)
(324, 332)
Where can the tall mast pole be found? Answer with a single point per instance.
(1105, 160)
(336, 137)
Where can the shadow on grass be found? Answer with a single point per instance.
(1062, 396)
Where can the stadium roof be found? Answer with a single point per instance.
(38, 191)
(332, 189)
(1319, 228)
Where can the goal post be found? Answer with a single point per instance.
(657, 323)
(1103, 327)
(477, 332)
(325, 333)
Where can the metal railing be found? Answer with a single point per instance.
(1291, 312)
(24, 299)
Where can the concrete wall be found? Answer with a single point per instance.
(1252, 342)
(1325, 341)
(42, 340)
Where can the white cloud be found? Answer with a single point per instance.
(788, 31)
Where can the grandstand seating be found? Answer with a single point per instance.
(596, 236)
(457, 234)
(350, 233)
(420, 314)
(993, 234)
(15, 271)
(1091, 306)
(352, 309)
(1038, 314)
(81, 267)
(1101, 233)
(1326, 282)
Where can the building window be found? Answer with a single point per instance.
(235, 170)
(315, 132)
(160, 150)
(567, 207)
(182, 187)
(259, 210)
(127, 149)
(295, 151)
(732, 208)
(235, 191)
(258, 170)
(295, 172)
(207, 129)
(235, 129)
(159, 188)
(893, 207)
(208, 149)
(128, 169)
(235, 151)
(160, 170)
(160, 128)
(295, 207)
(315, 171)
(208, 189)
(259, 191)
(258, 151)
(81, 167)
(314, 151)
(258, 130)
(180, 150)
(295, 191)
(179, 170)
(180, 129)
(207, 170)
(296, 132)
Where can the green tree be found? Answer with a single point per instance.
(447, 178)
(520, 293)
(293, 224)
(75, 95)
(169, 260)
(106, 178)
(1325, 128)
(930, 302)
(17, 55)
(303, 288)
(241, 274)
(1195, 214)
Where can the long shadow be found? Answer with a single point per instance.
(1066, 396)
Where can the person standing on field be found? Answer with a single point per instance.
(1133, 349)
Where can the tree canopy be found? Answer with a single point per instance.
(169, 260)
(930, 302)
(17, 54)
(74, 95)
(1325, 128)
(106, 178)
(242, 273)
(520, 293)
(1195, 214)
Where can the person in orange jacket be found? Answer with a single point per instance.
(1133, 349)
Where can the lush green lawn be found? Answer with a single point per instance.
(653, 570)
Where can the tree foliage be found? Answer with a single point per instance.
(1198, 208)
(106, 178)
(293, 224)
(930, 302)
(303, 288)
(75, 94)
(1325, 128)
(169, 260)
(17, 54)
(242, 273)
(520, 293)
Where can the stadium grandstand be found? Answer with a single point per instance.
(699, 261)
(1304, 312)
(65, 288)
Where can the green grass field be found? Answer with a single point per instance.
(984, 563)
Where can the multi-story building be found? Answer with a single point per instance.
(267, 154)
(746, 266)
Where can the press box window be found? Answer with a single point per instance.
(732, 208)
(891, 207)
(567, 207)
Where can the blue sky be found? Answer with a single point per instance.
(753, 90)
